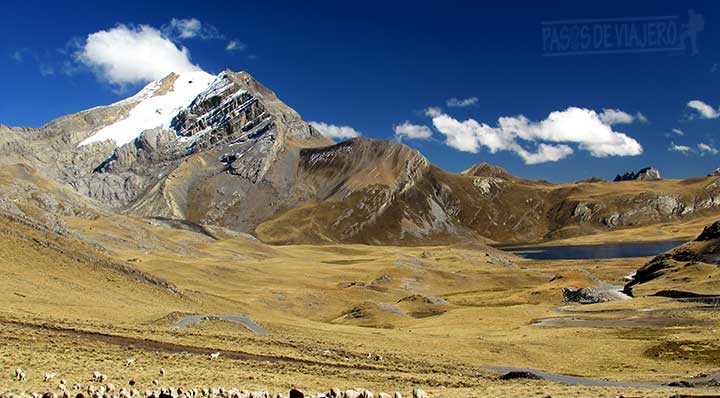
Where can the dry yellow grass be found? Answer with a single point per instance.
(299, 293)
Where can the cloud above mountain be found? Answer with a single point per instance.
(704, 110)
(461, 103)
(549, 138)
(133, 54)
(335, 132)
(616, 116)
(412, 131)
(190, 28)
(680, 148)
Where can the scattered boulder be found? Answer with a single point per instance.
(424, 299)
(586, 295)
(681, 383)
(646, 174)
(295, 393)
(518, 374)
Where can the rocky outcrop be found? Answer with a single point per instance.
(710, 232)
(588, 295)
(646, 174)
(714, 173)
(690, 258)
(238, 157)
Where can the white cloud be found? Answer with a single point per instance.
(412, 131)
(461, 103)
(190, 28)
(432, 111)
(616, 116)
(545, 153)
(678, 132)
(706, 111)
(235, 45)
(140, 54)
(680, 148)
(573, 125)
(335, 132)
(706, 149)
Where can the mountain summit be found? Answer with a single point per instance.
(225, 150)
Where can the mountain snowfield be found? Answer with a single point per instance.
(153, 110)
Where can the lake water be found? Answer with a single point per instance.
(605, 250)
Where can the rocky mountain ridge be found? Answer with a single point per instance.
(236, 156)
(646, 174)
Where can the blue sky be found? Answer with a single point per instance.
(375, 65)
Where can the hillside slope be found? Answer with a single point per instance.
(686, 271)
(226, 151)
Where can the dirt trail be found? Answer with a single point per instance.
(243, 320)
(161, 346)
(577, 380)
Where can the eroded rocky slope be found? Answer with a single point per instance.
(225, 151)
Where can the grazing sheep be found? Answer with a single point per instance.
(365, 393)
(63, 381)
(162, 371)
(49, 376)
(77, 386)
(214, 356)
(418, 393)
(110, 387)
(96, 376)
(378, 358)
(352, 394)
(384, 395)
(397, 395)
(155, 383)
(335, 393)
(19, 374)
(65, 394)
(130, 362)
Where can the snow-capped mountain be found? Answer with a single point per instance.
(225, 150)
(154, 106)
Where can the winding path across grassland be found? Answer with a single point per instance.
(243, 320)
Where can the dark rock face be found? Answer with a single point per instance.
(710, 232)
(513, 375)
(585, 295)
(655, 268)
(646, 174)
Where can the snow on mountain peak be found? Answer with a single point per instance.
(153, 109)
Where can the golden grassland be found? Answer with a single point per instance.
(327, 308)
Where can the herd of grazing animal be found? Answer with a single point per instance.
(108, 390)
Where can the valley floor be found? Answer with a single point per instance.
(379, 317)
